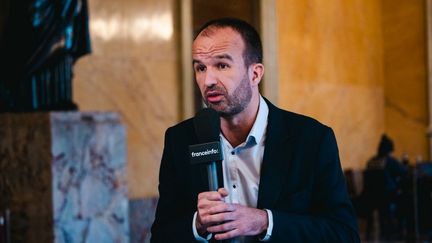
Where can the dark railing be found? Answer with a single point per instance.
(403, 216)
(5, 227)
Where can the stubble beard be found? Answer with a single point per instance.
(236, 102)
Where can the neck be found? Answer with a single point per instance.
(236, 128)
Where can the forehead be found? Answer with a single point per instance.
(215, 41)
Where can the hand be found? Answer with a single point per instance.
(228, 220)
(239, 220)
(207, 202)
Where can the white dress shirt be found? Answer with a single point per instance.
(242, 168)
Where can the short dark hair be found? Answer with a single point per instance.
(251, 38)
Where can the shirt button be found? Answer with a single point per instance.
(232, 152)
(234, 186)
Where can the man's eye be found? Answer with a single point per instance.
(200, 68)
(223, 66)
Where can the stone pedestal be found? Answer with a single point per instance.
(63, 177)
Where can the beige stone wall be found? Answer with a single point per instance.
(405, 71)
(331, 68)
(133, 70)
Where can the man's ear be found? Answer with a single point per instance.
(256, 72)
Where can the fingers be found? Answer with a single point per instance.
(221, 208)
(228, 235)
(210, 205)
(217, 214)
(227, 220)
(214, 196)
(226, 230)
(211, 196)
(241, 221)
(223, 192)
(224, 227)
(220, 216)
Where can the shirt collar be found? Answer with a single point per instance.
(259, 127)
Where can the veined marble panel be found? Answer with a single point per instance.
(89, 178)
(63, 176)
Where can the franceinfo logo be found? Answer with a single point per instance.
(205, 152)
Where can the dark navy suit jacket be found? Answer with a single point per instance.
(301, 183)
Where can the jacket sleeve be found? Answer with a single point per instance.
(331, 217)
(174, 213)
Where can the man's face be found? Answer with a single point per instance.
(220, 70)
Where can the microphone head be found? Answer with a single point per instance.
(207, 125)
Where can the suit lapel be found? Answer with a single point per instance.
(277, 154)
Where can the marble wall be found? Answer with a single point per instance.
(331, 68)
(405, 72)
(133, 70)
(63, 177)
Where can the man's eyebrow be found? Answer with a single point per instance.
(195, 61)
(221, 56)
(225, 56)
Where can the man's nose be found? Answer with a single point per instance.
(210, 78)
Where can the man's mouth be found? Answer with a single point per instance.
(214, 96)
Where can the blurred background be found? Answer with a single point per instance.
(361, 67)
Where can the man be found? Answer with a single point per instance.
(281, 171)
(382, 189)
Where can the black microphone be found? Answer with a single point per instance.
(208, 151)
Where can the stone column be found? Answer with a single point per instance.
(63, 177)
(429, 73)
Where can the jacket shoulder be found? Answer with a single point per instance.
(182, 127)
(181, 133)
(298, 123)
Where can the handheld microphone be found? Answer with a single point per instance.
(208, 151)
